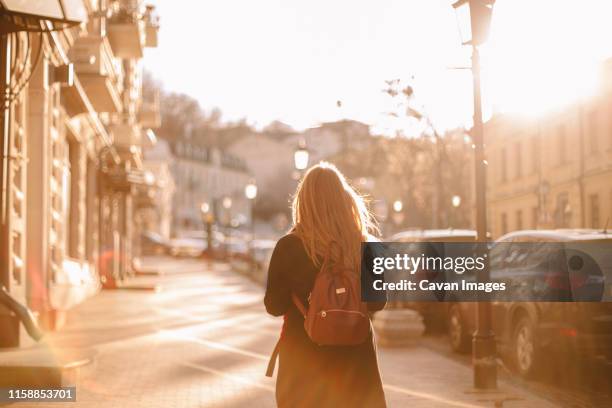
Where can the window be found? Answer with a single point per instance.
(535, 214)
(594, 208)
(535, 153)
(504, 223)
(91, 222)
(563, 211)
(561, 144)
(518, 160)
(502, 162)
(72, 198)
(593, 130)
(610, 211)
(519, 219)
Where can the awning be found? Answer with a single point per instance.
(25, 15)
(74, 99)
(124, 180)
(104, 96)
(76, 102)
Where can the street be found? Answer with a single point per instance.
(203, 340)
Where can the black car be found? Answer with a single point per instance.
(434, 313)
(561, 276)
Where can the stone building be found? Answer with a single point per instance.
(207, 174)
(73, 132)
(554, 171)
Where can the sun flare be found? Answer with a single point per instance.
(545, 54)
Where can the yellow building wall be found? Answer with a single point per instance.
(551, 172)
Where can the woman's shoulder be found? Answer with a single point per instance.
(289, 241)
(289, 245)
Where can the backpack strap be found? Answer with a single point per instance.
(298, 303)
(327, 260)
(273, 358)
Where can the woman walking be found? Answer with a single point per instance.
(330, 221)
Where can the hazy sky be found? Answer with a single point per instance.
(292, 60)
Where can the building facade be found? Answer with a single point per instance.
(157, 215)
(208, 175)
(554, 171)
(74, 129)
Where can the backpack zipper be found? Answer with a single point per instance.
(323, 313)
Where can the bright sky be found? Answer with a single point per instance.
(291, 60)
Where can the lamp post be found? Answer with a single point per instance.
(398, 206)
(208, 218)
(474, 18)
(455, 202)
(301, 156)
(227, 205)
(250, 192)
(398, 215)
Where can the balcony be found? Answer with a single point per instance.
(127, 34)
(93, 63)
(126, 135)
(151, 35)
(149, 115)
(151, 27)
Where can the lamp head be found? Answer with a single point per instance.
(474, 20)
(301, 156)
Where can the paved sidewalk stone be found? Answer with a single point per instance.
(204, 339)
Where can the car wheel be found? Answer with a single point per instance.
(457, 331)
(524, 351)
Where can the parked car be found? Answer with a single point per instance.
(154, 244)
(217, 238)
(543, 266)
(262, 252)
(435, 314)
(188, 247)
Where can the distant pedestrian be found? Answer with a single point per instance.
(330, 220)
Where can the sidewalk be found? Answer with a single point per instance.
(204, 339)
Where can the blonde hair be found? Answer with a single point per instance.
(329, 214)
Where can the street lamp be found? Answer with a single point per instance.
(474, 19)
(208, 218)
(398, 215)
(301, 156)
(398, 206)
(227, 205)
(250, 192)
(456, 201)
(205, 208)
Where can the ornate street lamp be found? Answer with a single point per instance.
(208, 218)
(456, 201)
(301, 156)
(398, 206)
(398, 215)
(474, 19)
(205, 208)
(250, 192)
(227, 205)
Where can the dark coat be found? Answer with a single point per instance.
(310, 375)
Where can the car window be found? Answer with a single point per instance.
(497, 254)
